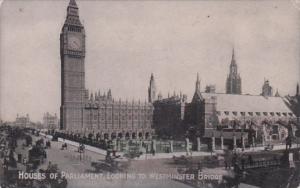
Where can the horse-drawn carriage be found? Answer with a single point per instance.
(111, 165)
(180, 160)
(36, 156)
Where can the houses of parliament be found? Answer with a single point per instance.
(82, 112)
(99, 113)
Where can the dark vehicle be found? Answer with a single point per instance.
(36, 156)
(103, 167)
(48, 144)
(112, 166)
(180, 160)
(40, 142)
(28, 139)
(64, 146)
(269, 147)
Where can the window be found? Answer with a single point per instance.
(242, 113)
(278, 113)
(265, 113)
(257, 113)
(226, 113)
(272, 113)
(234, 113)
(284, 113)
(250, 113)
(290, 114)
(218, 113)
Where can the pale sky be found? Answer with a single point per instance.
(126, 41)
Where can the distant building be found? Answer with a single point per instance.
(23, 121)
(50, 121)
(267, 90)
(210, 89)
(243, 118)
(269, 117)
(234, 81)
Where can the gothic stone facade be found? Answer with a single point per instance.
(100, 114)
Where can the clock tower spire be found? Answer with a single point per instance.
(72, 53)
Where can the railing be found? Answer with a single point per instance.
(260, 164)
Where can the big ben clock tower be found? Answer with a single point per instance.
(72, 53)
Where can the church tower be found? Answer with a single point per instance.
(151, 90)
(233, 83)
(72, 54)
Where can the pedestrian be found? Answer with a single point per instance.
(226, 164)
(250, 160)
(243, 163)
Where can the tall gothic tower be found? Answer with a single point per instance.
(233, 82)
(72, 53)
(152, 90)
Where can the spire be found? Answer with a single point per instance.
(73, 3)
(197, 95)
(96, 96)
(92, 97)
(151, 89)
(159, 97)
(109, 94)
(233, 63)
(277, 93)
(197, 88)
(233, 82)
(72, 14)
(152, 77)
(297, 90)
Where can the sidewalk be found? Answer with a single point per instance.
(177, 154)
(275, 148)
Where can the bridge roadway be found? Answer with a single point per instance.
(69, 161)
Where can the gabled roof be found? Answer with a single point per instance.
(248, 103)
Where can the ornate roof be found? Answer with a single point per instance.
(248, 103)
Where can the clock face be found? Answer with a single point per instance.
(74, 43)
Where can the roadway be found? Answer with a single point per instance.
(69, 161)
